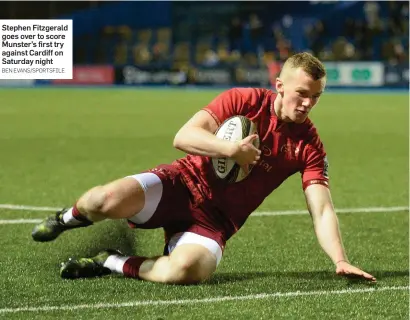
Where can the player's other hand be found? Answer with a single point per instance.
(343, 268)
(245, 153)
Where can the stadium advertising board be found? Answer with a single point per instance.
(210, 76)
(135, 75)
(344, 74)
(17, 82)
(89, 75)
(396, 75)
(251, 77)
(367, 74)
(340, 74)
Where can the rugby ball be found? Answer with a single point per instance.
(233, 129)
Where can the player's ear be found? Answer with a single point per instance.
(279, 86)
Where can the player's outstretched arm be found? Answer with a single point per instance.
(326, 226)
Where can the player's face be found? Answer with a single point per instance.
(300, 93)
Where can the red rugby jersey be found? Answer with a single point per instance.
(287, 148)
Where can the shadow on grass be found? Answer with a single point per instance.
(106, 235)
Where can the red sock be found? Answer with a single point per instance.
(132, 266)
(78, 215)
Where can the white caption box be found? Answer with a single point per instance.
(36, 49)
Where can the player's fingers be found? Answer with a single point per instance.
(251, 138)
(354, 273)
(255, 149)
(368, 276)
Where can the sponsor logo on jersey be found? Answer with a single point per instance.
(221, 165)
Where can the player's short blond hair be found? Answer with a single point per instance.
(310, 64)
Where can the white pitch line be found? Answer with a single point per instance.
(27, 208)
(255, 214)
(195, 301)
(345, 210)
(20, 221)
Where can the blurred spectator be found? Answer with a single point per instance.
(235, 33)
(160, 52)
(399, 52)
(405, 20)
(326, 54)
(211, 59)
(363, 40)
(344, 50)
(350, 28)
(394, 52)
(405, 14)
(181, 75)
(350, 52)
(142, 55)
(223, 53)
(121, 53)
(371, 11)
(235, 57)
(256, 29)
(277, 32)
(125, 33)
(250, 59)
(394, 23)
(315, 35)
(283, 47)
(398, 17)
(274, 68)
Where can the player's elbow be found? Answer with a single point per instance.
(178, 142)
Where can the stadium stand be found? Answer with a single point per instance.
(373, 31)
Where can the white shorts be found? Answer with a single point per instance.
(153, 189)
(193, 238)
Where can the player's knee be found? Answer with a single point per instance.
(185, 269)
(95, 201)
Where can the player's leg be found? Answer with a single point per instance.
(166, 203)
(119, 199)
(193, 259)
(187, 264)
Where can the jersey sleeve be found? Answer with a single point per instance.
(316, 166)
(227, 104)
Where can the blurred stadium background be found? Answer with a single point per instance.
(228, 42)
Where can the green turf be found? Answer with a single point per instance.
(58, 143)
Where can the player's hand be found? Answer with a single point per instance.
(245, 153)
(343, 268)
